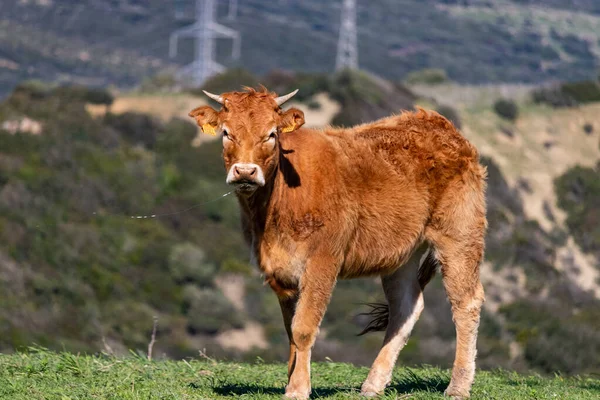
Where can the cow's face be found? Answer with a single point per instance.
(249, 124)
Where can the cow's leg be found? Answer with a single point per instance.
(460, 271)
(457, 235)
(404, 295)
(288, 307)
(316, 286)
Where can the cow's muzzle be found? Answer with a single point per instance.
(246, 177)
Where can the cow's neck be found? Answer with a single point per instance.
(256, 210)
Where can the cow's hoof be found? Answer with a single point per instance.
(457, 393)
(368, 393)
(370, 390)
(297, 394)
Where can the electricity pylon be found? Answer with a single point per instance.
(204, 32)
(347, 50)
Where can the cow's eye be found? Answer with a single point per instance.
(272, 135)
(226, 134)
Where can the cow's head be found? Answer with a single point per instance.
(250, 124)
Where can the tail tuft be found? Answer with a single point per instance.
(380, 313)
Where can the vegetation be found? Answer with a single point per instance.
(582, 92)
(79, 267)
(506, 109)
(578, 193)
(568, 94)
(520, 43)
(232, 79)
(161, 82)
(362, 97)
(550, 332)
(42, 374)
(428, 76)
(76, 272)
(451, 114)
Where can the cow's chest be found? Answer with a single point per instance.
(282, 263)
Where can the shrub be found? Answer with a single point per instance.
(451, 114)
(231, 265)
(553, 96)
(281, 81)
(209, 311)
(136, 128)
(428, 76)
(568, 94)
(582, 92)
(578, 193)
(130, 320)
(159, 82)
(187, 263)
(506, 109)
(364, 98)
(35, 89)
(99, 96)
(85, 94)
(307, 84)
(553, 337)
(230, 80)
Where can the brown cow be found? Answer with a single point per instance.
(397, 198)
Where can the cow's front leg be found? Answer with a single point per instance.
(316, 286)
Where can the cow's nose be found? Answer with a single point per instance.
(244, 171)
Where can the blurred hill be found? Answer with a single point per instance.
(76, 271)
(475, 41)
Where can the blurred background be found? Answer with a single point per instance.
(93, 129)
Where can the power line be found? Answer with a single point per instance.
(347, 50)
(204, 32)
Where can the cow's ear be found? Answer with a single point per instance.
(206, 118)
(291, 120)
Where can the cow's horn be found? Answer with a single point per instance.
(282, 99)
(215, 97)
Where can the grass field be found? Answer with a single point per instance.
(40, 374)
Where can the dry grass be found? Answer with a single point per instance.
(544, 145)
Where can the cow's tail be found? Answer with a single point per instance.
(380, 312)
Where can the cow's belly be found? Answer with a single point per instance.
(380, 245)
(374, 257)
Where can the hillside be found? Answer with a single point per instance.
(121, 42)
(77, 272)
(42, 374)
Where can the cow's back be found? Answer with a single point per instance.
(370, 189)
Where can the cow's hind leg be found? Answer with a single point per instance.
(288, 307)
(460, 271)
(404, 294)
(458, 238)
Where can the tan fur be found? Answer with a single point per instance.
(345, 203)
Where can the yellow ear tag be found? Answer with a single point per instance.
(208, 128)
(288, 128)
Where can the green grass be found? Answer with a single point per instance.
(40, 374)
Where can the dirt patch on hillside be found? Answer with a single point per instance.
(545, 144)
(251, 336)
(234, 289)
